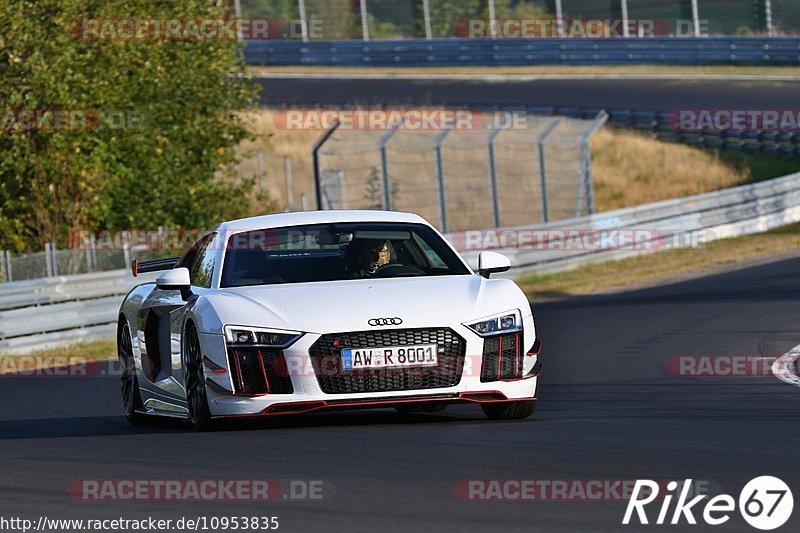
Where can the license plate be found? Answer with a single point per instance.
(390, 357)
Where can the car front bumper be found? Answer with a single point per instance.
(308, 396)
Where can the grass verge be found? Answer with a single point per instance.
(99, 350)
(630, 168)
(77, 353)
(671, 265)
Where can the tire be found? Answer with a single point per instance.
(509, 410)
(196, 397)
(129, 383)
(410, 408)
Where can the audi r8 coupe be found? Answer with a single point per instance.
(302, 312)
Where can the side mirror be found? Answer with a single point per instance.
(491, 262)
(176, 279)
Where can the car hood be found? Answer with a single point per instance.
(327, 307)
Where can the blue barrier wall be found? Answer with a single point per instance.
(483, 52)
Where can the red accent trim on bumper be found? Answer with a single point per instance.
(536, 348)
(221, 390)
(297, 408)
(214, 367)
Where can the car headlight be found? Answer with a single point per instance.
(263, 337)
(509, 321)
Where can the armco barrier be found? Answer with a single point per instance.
(47, 291)
(672, 223)
(50, 312)
(57, 311)
(508, 52)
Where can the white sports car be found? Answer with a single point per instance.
(302, 312)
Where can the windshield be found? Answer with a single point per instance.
(333, 252)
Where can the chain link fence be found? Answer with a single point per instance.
(89, 256)
(405, 19)
(537, 171)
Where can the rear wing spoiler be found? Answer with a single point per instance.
(153, 266)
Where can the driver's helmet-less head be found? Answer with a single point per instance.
(374, 254)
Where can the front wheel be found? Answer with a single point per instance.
(509, 410)
(131, 397)
(199, 414)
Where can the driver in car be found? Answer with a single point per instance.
(373, 256)
(375, 259)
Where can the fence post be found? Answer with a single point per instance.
(426, 13)
(126, 245)
(303, 202)
(89, 245)
(301, 7)
(315, 161)
(262, 169)
(93, 242)
(493, 177)
(387, 194)
(492, 20)
(287, 174)
(768, 16)
(559, 20)
(542, 170)
(587, 186)
(364, 20)
(50, 259)
(696, 18)
(237, 10)
(437, 153)
(6, 260)
(625, 30)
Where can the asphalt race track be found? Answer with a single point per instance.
(609, 93)
(609, 411)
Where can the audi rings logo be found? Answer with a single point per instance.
(385, 321)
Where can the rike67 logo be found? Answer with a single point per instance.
(765, 503)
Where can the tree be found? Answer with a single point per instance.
(162, 121)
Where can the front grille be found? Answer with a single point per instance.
(502, 357)
(259, 371)
(326, 359)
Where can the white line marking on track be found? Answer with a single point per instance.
(785, 367)
(501, 78)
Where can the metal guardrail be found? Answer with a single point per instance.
(61, 317)
(509, 52)
(54, 290)
(668, 224)
(51, 312)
